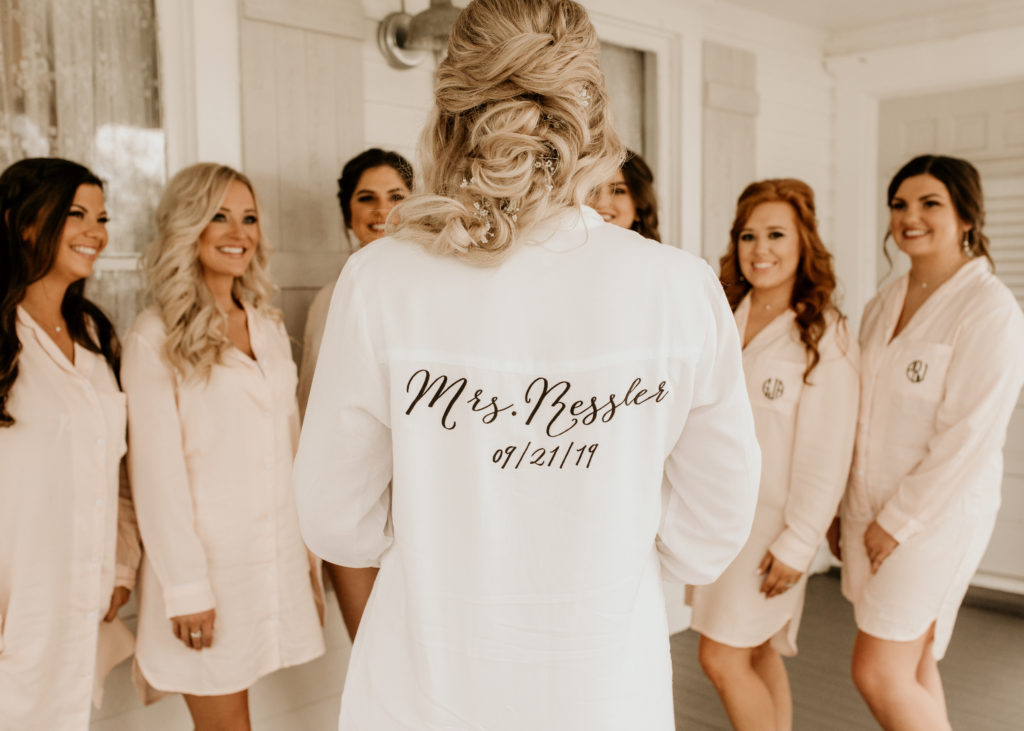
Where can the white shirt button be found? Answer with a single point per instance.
(101, 441)
(266, 414)
(95, 559)
(269, 467)
(99, 503)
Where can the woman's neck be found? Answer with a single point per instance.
(220, 286)
(773, 300)
(931, 271)
(43, 299)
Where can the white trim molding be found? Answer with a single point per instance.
(974, 17)
(677, 134)
(200, 81)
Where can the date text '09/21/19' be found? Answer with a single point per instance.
(572, 456)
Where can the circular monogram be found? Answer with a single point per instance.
(916, 371)
(772, 388)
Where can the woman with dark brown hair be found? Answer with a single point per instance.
(943, 363)
(628, 198)
(68, 544)
(801, 373)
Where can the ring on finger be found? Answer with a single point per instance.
(195, 635)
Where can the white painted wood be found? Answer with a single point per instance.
(857, 238)
(726, 98)
(177, 81)
(343, 19)
(729, 140)
(796, 116)
(625, 81)
(303, 114)
(664, 137)
(199, 81)
(960, 18)
(958, 61)
(218, 82)
(261, 123)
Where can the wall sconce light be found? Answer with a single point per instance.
(405, 40)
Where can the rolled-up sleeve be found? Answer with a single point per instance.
(160, 482)
(344, 462)
(711, 476)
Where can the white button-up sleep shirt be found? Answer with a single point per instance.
(806, 433)
(210, 463)
(928, 466)
(65, 535)
(562, 429)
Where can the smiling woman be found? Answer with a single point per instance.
(214, 423)
(943, 356)
(628, 198)
(62, 438)
(801, 373)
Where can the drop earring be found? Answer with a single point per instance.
(966, 244)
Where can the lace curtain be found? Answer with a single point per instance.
(78, 79)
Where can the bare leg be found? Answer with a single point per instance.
(746, 698)
(353, 588)
(928, 671)
(220, 712)
(886, 674)
(769, 667)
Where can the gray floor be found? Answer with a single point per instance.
(983, 671)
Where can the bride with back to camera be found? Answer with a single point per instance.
(523, 415)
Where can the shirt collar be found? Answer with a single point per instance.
(566, 229)
(85, 360)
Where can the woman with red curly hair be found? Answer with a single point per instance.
(801, 372)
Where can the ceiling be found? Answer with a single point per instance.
(839, 15)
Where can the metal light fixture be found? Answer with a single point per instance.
(405, 40)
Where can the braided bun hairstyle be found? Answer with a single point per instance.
(520, 128)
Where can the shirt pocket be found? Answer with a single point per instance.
(919, 385)
(921, 371)
(776, 384)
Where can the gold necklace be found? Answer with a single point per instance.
(757, 305)
(55, 328)
(935, 282)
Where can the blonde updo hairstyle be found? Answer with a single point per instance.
(196, 327)
(520, 128)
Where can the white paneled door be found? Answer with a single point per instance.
(985, 126)
(302, 118)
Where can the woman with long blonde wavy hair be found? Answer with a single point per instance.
(227, 593)
(523, 415)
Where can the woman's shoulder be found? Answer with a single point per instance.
(987, 292)
(836, 341)
(148, 325)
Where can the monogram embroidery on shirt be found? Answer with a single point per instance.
(916, 371)
(772, 388)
